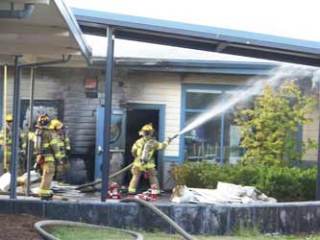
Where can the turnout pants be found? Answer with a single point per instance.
(6, 159)
(136, 173)
(46, 179)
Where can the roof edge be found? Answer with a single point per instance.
(74, 28)
(192, 66)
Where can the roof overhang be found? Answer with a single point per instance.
(190, 66)
(200, 37)
(50, 32)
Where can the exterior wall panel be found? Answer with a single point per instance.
(136, 87)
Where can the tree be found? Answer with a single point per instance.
(269, 129)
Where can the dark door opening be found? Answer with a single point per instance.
(136, 118)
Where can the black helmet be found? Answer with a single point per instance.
(43, 120)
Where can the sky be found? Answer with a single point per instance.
(295, 19)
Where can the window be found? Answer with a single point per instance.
(218, 139)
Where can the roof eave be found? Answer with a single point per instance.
(74, 28)
(191, 66)
(202, 37)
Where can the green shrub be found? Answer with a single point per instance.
(282, 183)
(269, 128)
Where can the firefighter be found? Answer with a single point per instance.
(143, 151)
(6, 143)
(61, 145)
(44, 155)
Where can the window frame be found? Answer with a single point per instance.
(203, 88)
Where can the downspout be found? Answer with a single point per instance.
(17, 14)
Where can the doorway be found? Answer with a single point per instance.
(137, 116)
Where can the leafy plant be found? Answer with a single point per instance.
(269, 129)
(282, 183)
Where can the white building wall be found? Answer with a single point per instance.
(138, 87)
(158, 88)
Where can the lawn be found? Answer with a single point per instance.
(82, 233)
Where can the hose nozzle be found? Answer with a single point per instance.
(173, 137)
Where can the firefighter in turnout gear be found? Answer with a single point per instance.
(61, 146)
(143, 152)
(44, 155)
(6, 143)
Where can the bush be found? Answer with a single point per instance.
(270, 127)
(282, 183)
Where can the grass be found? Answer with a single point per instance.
(83, 233)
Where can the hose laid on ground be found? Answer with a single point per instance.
(39, 226)
(110, 177)
(161, 214)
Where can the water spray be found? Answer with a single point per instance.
(284, 72)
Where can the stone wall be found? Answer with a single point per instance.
(283, 218)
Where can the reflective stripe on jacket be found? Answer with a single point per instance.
(42, 144)
(152, 146)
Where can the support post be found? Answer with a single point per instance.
(15, 129)
(2, 72)
(5, 87)
(222, 140)
(107, 114)
(30, 128)
(318, 160)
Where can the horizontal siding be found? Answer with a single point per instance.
(138, 87)
(158, 88)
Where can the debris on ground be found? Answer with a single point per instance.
(60, 189)
(21, 229)
(224, 193)
(34, 177)
(5, 180)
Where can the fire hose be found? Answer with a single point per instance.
(161, 214)
(116, 173)
(110, 177)
(146, 204)
(39, 226)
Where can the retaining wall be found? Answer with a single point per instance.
(284, 218)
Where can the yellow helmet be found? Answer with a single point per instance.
(55, 124)
(9, 118)
(146, 128)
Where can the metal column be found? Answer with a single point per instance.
(107, 114)
(30, 128)
(2, 77)
(15, 129)
(222, 139)
(5, 88)
(3, 123)
(318, 160)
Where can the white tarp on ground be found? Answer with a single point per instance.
(6, 178)
(5, 182)
(224, 193)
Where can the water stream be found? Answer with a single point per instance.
(256, 85)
